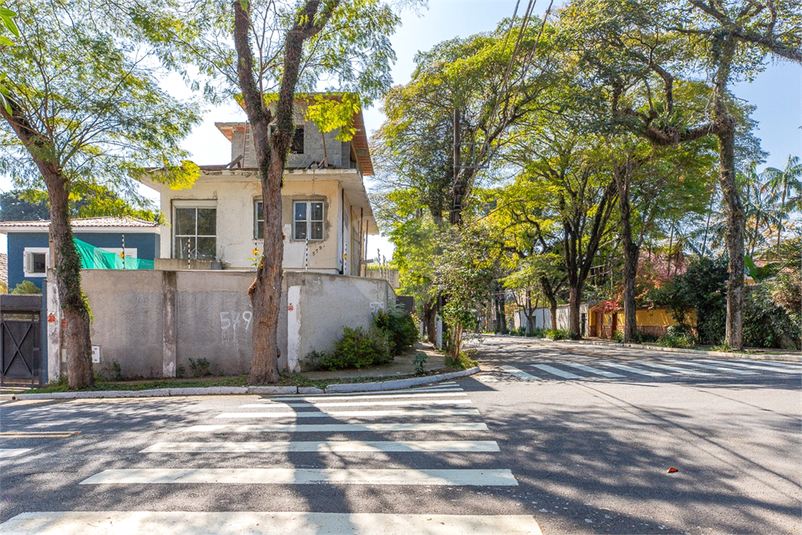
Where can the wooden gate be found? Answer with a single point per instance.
(21, 359)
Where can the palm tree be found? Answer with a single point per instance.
(781, 183)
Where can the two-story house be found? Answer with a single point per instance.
(325, 209)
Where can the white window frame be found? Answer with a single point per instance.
(27, 261)
(309, 221)
(200, 203)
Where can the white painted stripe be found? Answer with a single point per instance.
(556, 371)
(709, 367)
(669, 368)
(396, 403)
(337, 446)
(337, 428)
(372, 396)
(591, 369)
(520, 374)
(304, 476)
(239, 522)
(409, 391)
(630, 369)
(352, 414)
(12, 452)
(757, 367)
(771, 363)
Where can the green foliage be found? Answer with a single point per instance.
(199, 367)
(356, 349)
(682, 340)
(642, 337)
(618, 337)
(112, 120)
(762, 273)
(399, 327)
(703, 288)
(463, 361)
(557, 334)
(420, 363)
(26, 287)
(767, 324)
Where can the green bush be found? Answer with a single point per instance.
(557, 334)
(644, 337)
(399, 327)
(463, 361)
(765, 323)
(420, 363)
(618, 336)
(26, 288)
(677, 340)
(358, 349)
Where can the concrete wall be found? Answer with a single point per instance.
(146, 245)
(152, 323)
(542, 318)
(323, 304)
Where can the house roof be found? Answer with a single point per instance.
(100, 224)
(359, 143)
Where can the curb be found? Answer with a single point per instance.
(780, 357)
(239, 390)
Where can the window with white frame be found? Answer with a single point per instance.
(195, 231)
(307, 220)
(35, 261)
(258, 220)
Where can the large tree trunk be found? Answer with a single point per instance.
(631, 250)
(725, 130)
(67, 262)
(574, 300)
(271, 154)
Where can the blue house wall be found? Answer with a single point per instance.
(146, 245)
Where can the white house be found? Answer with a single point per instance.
(325, 209)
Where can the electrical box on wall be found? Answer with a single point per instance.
(95, 354)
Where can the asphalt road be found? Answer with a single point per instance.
(558, 435)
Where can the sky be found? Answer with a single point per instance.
(777, 92)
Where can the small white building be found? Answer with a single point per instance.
(325, 209)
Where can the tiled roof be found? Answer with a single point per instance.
(89, 222)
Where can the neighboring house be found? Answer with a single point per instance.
(29, 243)
(325, 209)
(541, 317)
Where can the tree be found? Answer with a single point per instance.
(781, 183)
(7, 24)
(84, 108)
(278, 49)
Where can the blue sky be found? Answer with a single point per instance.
(777, 92)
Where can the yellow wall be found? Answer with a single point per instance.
(657, 317)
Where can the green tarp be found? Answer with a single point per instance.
(95, 258)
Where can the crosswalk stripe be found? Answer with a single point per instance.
(396, 403)
(775, 364)
(352, 414)
(319, 446)
(408, 391)
(556, 371)
(372, 396)
(758, 367)
(630, 369)
(337, 428)
(669, 368)
(238, 522)
(591, 369)
(520, 374)
(303, 476)
(5, 453)
(709, 367)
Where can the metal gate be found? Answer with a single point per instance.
(21, 359)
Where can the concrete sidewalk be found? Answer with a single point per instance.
(402, 367)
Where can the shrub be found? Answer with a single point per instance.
(399, 327)
(642, 337)
(463, 361)
(677, 340)
(358, 349)
(557, 334)
(765, 323)
(420, 363)
(200, 367)
(618, 336)
(26, 288)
